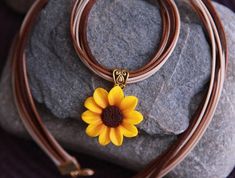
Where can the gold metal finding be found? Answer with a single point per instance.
(120, 77)
(81, 172)
(73, 169)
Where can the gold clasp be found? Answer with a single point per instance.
(81, 172)
(120, 77)
(72, 168)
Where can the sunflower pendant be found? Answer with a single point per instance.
(111, 115)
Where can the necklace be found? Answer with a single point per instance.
(111, 115)
(161, 165)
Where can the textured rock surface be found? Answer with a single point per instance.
(21, 6)
(121, 34)
(124, 34)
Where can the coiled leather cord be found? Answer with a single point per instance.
(170, 35)
(177, 152)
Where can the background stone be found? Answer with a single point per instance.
(61, 83)
(121, 34)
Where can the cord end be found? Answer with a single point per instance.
(82, 172)
(73, 169)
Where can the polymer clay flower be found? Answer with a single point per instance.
(111, 116)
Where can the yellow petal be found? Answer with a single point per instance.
(128, 130)
(129, 103)
(104, 138)
(90, 117)
(93, 130)
(133, 117)
(101, 97)
(92, 106)
(115, 96)
(116, 136)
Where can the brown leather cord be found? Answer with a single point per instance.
(171, 29)
(26, 105)
(186, 141)
(163, 42)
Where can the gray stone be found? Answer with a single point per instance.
(21, 6)
(121, 34)
(124, 34)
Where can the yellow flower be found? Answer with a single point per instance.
(111, 116)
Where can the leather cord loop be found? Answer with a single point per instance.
(170, 35)
(164, 163)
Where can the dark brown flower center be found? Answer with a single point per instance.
(112, 116)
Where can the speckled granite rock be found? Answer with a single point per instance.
(124, 34)
(21, 6)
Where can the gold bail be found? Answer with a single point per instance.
(120, 77)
